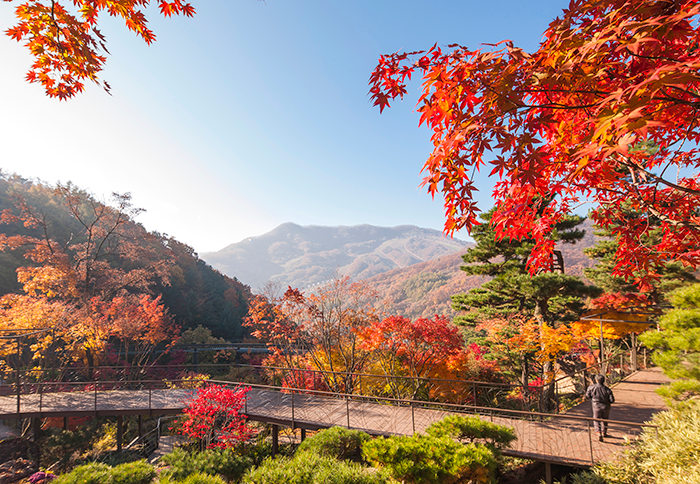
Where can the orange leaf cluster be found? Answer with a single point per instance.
(66, 44)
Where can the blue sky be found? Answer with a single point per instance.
(252, 114)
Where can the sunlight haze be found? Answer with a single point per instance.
(251, 114)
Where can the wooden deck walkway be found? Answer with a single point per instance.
(567, 439)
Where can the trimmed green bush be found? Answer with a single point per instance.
(139, 472)
(310, 468)
(93, 473)
(337, 442)
(202, 478)
(224, 462)
(473, 428)
(426, 459)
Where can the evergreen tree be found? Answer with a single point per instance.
(678, 343)
(551, 297)
(666, 277)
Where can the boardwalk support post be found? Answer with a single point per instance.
(548, 473)
(275, 439)
(303, 435)
(36, 423)
(120, 432)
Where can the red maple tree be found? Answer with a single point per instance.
(605, 111)
(214, 417)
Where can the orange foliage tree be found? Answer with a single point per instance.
(521, 345)
(419, 350)
(66, 42)
(613, 317)
(86, 288)
(605, 111)
(320, 328)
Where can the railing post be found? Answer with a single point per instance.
(95, 385)
(590, 441)
(150, 391)
(19, 389)
(293, 426)
(41, 398)
(347, 408)
(413, 418)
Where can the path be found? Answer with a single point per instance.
(636, 399)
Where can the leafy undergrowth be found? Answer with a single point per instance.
(333, 456)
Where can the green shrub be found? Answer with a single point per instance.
(669, 456)
(93, 473)
(202, 478)
(62, 449)
(310, 468)
(585, 477)
(114, 458)
(471, 429)
(139, 472)
(425, 459)
(225, 462)
(336, 442)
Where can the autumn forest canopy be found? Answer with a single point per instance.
(105, 286)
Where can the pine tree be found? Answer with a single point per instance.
(651, 290)
(551, 297)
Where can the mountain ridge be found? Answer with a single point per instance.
(302, 256)
(423, 290)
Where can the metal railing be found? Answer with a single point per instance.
(403, 387)
(150, 441)
(615, 369)
(470, 392)
(565, 438)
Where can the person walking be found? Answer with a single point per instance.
(601, 399)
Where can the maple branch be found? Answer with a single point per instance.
(686, 91)
(663, 181)
(650, 57)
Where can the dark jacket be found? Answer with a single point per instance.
(600, 394)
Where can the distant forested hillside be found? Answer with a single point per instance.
(192, 291)
(304, 256)
(423, 290)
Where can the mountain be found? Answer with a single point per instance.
(303, 256)
(423, 290)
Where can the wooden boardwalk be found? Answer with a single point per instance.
(567, 439)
